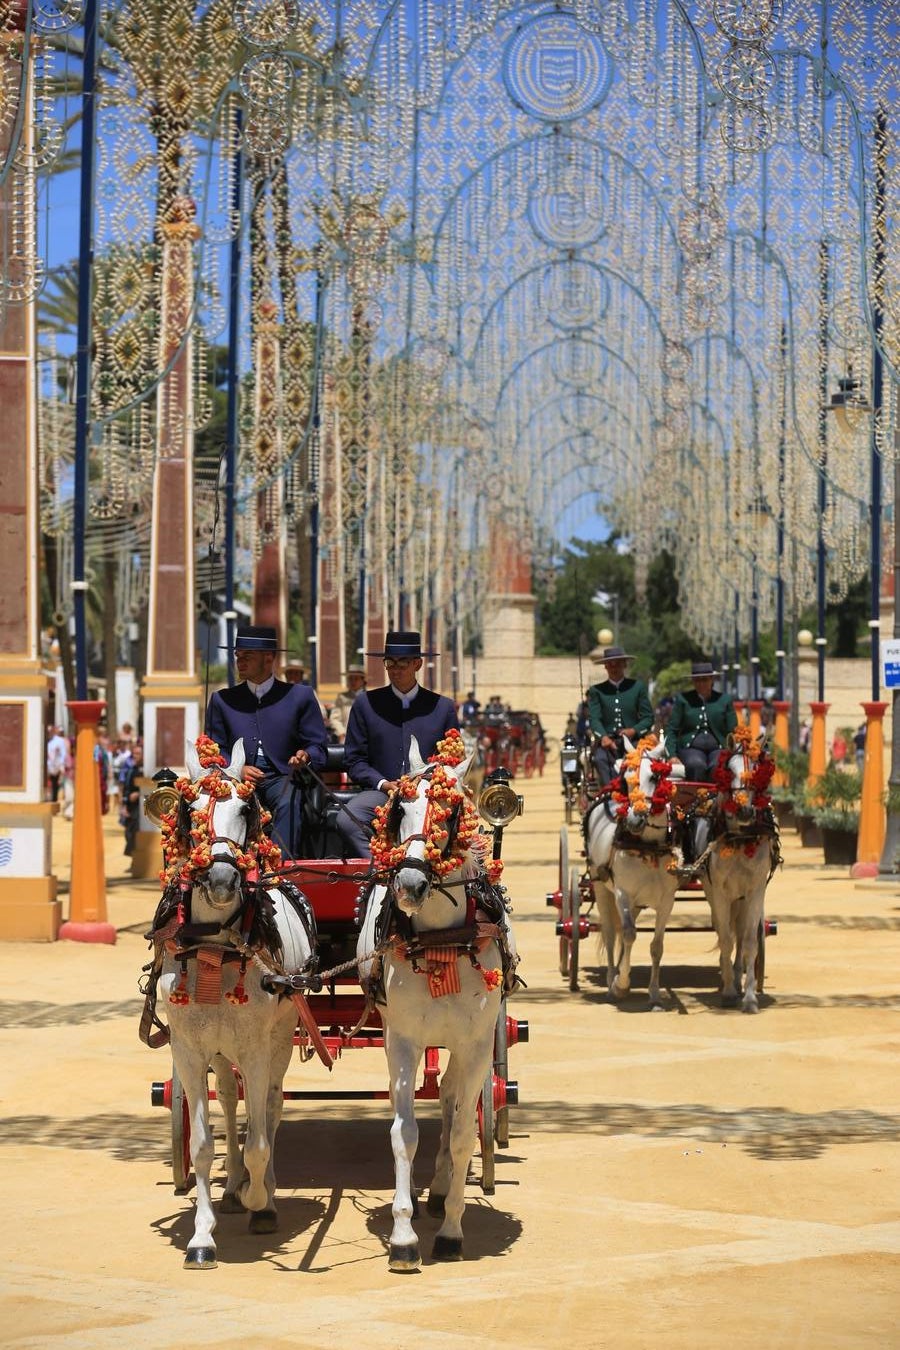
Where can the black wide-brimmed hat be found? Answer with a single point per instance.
(615, 654)
(252, 638)
(703, 670)
(402, 644)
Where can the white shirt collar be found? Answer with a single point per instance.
(408, 697)
(260, 690)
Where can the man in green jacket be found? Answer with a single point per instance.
(618, 706)
(699, 724)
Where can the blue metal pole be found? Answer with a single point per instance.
(879, 242)
(83, 348)
(823, 464)
(231, 434)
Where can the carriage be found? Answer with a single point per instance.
(583, 910)
(336, 1014)
(513, 741)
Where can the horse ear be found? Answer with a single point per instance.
(627, 744)
(416, 762)
(192, 761)
(662, 745)
(238, 760)
(463, 769)
(730, 742)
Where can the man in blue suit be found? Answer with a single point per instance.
(282, 727)
(379, 729)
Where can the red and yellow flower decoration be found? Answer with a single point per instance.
(186, 859)
(629, 795)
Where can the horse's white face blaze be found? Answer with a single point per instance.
(412, 885)
(226, 821)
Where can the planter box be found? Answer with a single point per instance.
(840, 847)
(785, 815)
(810, 834)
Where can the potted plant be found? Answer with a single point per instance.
(789, 797)
(834, 806)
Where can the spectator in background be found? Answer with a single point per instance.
(340, 712)
(102, 760)
(57, 753)
(859, 745)
(470, 707)
(129, 814)
(805, 733)
(838, 747)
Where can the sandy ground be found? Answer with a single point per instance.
(688, 1178)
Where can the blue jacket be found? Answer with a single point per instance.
(286, 719)
(379, 729)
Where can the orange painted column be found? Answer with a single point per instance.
(818, 755)
(755, 715)
(87, 895)
(871, 809)
(781, 737)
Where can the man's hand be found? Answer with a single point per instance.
(252, 775)
(390, 785)
(299, 759)
(608, 743)
(629, 732)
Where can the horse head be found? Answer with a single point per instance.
(742, 777)
(645, 785)
(219, 816)
(423, 825)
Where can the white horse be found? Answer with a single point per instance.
(633, 860)
(743, 854)
(442, 981)
(218, 1010)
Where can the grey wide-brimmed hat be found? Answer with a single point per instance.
(702, 670)
(356, 670)
(614, 654)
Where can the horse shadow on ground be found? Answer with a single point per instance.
(342, 1162)
(700, 982)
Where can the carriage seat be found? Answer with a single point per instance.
(321, 806)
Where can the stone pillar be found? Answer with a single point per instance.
(171, 693)
(871, 807)
(331, 629)
(507, 664)
(29, 908)
(269, 573)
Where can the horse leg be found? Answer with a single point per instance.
(266, 1220)
(751, 918)
(468, 1081)
(403, 1063)
(257, 1146)
(440, 1182)
(192, 1066)
(663, 911)
(227, 1094)
(622, 982)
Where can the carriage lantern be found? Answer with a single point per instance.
(498, 804)
(568, 758)
(164, 798)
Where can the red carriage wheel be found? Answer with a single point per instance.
(575, 939)
(564, 914)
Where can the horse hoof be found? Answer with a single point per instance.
(730, 1000)
(404, 1258)
(750, 1007)
(200, 1258)
(230, 1204)
(447, 1249)
(264, 1221)
(435, 1205)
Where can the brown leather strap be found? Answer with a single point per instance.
(311, 1027)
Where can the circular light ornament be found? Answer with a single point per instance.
(568, 219)
(574, 295)
(555, 70)
(747, 20)
(266, 23)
